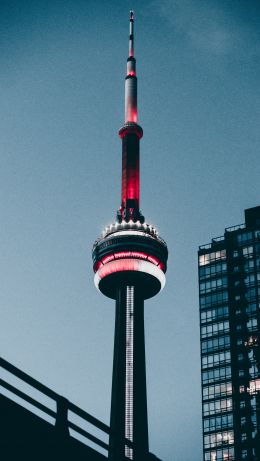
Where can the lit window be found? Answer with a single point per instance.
(254, 387)
(243, 437)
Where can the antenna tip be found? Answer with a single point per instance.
(131, 15)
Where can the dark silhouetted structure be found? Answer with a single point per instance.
(129, 264)
(38, 424)
(39, 428)
(229, 276)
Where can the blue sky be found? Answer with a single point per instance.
(62, 95)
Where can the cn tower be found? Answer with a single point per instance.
(129, 262)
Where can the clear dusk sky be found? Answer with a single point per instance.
(62, 96)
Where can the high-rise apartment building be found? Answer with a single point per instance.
(229, 289)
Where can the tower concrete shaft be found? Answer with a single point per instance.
(129, 403)
(129, 262)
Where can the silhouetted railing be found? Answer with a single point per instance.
(63, 406)
(62, 422)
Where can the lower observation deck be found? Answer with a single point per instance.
(130, 253)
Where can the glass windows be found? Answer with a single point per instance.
(209, 257)
(249, 265)
(217, 406)
(243, 421)
(253, 403)
(212, 360)
(244, 238)
(212, 269)
(222, 454)
(250, 294)
(214, 329)
(214, 314)
(219, 438)
(251, 308)
(250, 279)
(217, 374)
(252, 324)
(248, 251)
(214, 298)
(212, 285)
(217, 422)
(253, 371)
(220, 342)
(244, 454)
(254, 386)
(217, 390)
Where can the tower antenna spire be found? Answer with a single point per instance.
(131, 35)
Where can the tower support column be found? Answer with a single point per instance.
(129, 402)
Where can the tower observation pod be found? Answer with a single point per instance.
(129, 262)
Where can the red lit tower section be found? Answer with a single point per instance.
(129, 262)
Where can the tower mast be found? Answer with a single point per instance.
(129, 262)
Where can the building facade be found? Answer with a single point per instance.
(229, 290)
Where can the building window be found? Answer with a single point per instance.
(220, 342)
(209, 361)
(250, 279)
(213, 298)
(252, 324)
(218, 439)
(214, 314)
(209, 257)
(243, 437)
(243, 421)
(217, 390)
(217, 406)
(217, 374)
(212, 285)
(251, 308)
(244, 454)
(222, 454)
(218, 422)
(214, 328)
(248, 251)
